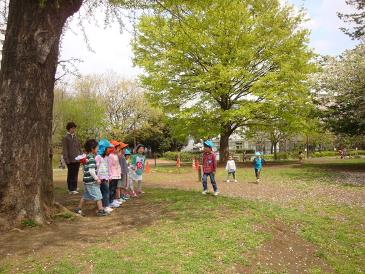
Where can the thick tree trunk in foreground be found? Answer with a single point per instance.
(28, 68)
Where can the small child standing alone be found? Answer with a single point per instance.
(209, 167)
(231, 169)
(258, 162)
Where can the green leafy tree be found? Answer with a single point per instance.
(213, 65)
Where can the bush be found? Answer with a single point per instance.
(319, 154)
(184, 156)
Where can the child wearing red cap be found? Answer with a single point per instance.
(115, 174)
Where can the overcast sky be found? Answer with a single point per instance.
(113, 51)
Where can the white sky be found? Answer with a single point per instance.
(113, 51)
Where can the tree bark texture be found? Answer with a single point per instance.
(27, 77)
(224, 145)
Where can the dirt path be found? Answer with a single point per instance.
(280, 192)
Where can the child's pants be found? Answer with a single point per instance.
(257, 172)
(104, 188)
(233, 173)
(112, 189)
(212, 181)
(139, 185)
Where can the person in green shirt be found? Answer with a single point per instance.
(137, 165)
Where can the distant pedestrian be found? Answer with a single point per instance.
(71, 148)
(231, 169)
(258, 163)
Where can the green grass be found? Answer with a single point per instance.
(197, 236)
(205, 234)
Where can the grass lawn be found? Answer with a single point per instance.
(317, 226)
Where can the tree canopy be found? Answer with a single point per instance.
(218, 65)
(340, 90)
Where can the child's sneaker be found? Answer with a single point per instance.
(73, 192)
(227, 181)
(78, 211)
(205, 192)
(114, 204)
(235, 181)
(121, 200)
(125, 197)
(257, 181)
(102, 212)
(134, 195)
(215, 193)
(108, 209)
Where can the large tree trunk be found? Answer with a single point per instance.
(27, 77)
(224, 145)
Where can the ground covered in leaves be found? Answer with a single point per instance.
(301, 218)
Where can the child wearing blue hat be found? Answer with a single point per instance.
(209, 167)
(258, 162)
(102, 165)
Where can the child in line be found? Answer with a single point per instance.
(231, 169)
(102, 166)
(137, 166)
(258, 162)
(209, 167)
(124, 167)
(115, 174)
(91, 181)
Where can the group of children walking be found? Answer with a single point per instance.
(110, 174)
(210, 167)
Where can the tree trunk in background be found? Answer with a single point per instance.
(224, 145)
(275, 145)
(27, 77)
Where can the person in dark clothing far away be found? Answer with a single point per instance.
(71, 148)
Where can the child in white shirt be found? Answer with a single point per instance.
(231, 169)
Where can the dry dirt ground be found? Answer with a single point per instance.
(285, 250)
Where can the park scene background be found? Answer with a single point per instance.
(253, 76)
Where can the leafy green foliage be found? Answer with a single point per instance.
(215, 66)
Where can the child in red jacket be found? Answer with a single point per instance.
(209, 167)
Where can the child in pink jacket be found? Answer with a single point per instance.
(115, 174)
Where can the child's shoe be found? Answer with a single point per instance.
(134, 194)
(78, 211)
(257, 181)
(227, 181)
(114, 204)
(108, 209)
(125, 197)
(205, 192)
(101, 213)
(235, 181)
(121, 200)
(215, 193)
